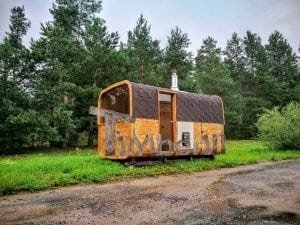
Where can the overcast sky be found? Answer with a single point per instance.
(198, 18)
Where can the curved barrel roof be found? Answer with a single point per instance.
(190, 106)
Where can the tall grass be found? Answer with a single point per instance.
(32, 172)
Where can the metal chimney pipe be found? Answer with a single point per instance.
(174, 85)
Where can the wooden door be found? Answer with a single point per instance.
(166, 118)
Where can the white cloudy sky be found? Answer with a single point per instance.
(198, 18)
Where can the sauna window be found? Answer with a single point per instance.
(116, 99)
(164, 98)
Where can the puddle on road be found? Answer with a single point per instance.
(283, 217)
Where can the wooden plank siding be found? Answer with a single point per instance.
(208, 129)
(101, 139)
(123, 129)
(143, 127)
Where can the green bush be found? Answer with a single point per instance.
(281, 128)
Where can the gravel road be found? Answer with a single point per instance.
(266, 193)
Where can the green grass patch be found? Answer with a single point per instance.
(32, 172)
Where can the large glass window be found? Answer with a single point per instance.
(116, 99)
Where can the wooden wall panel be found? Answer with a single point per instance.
(197, 137)
(208, 129)
(122, 129)
(142, 128)
(101, 139)
(145, 126)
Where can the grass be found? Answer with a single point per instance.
(33, 172)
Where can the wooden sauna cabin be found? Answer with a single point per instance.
(137, 121)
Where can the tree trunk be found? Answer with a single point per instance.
(91, 133)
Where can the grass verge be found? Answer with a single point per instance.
(32, 172)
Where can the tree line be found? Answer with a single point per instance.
(47, 88)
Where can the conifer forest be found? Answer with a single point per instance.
(48, 86)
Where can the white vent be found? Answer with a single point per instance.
(174, 86)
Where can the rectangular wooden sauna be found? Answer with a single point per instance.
(138, 121)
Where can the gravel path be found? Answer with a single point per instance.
(267, 193)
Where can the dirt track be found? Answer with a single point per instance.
(267, 193)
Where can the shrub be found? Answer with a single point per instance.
(281, 128)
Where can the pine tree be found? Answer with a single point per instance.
(58, 58)
(177, 56)
(258, 82)
(18, 27)
(213, 77)
(283, 69)
(73, 16)
(212, 74)
(77, 57)
(16, 117)
(103, 64)
(144, 54)
(236, 60)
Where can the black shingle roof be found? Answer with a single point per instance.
(190, 106)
